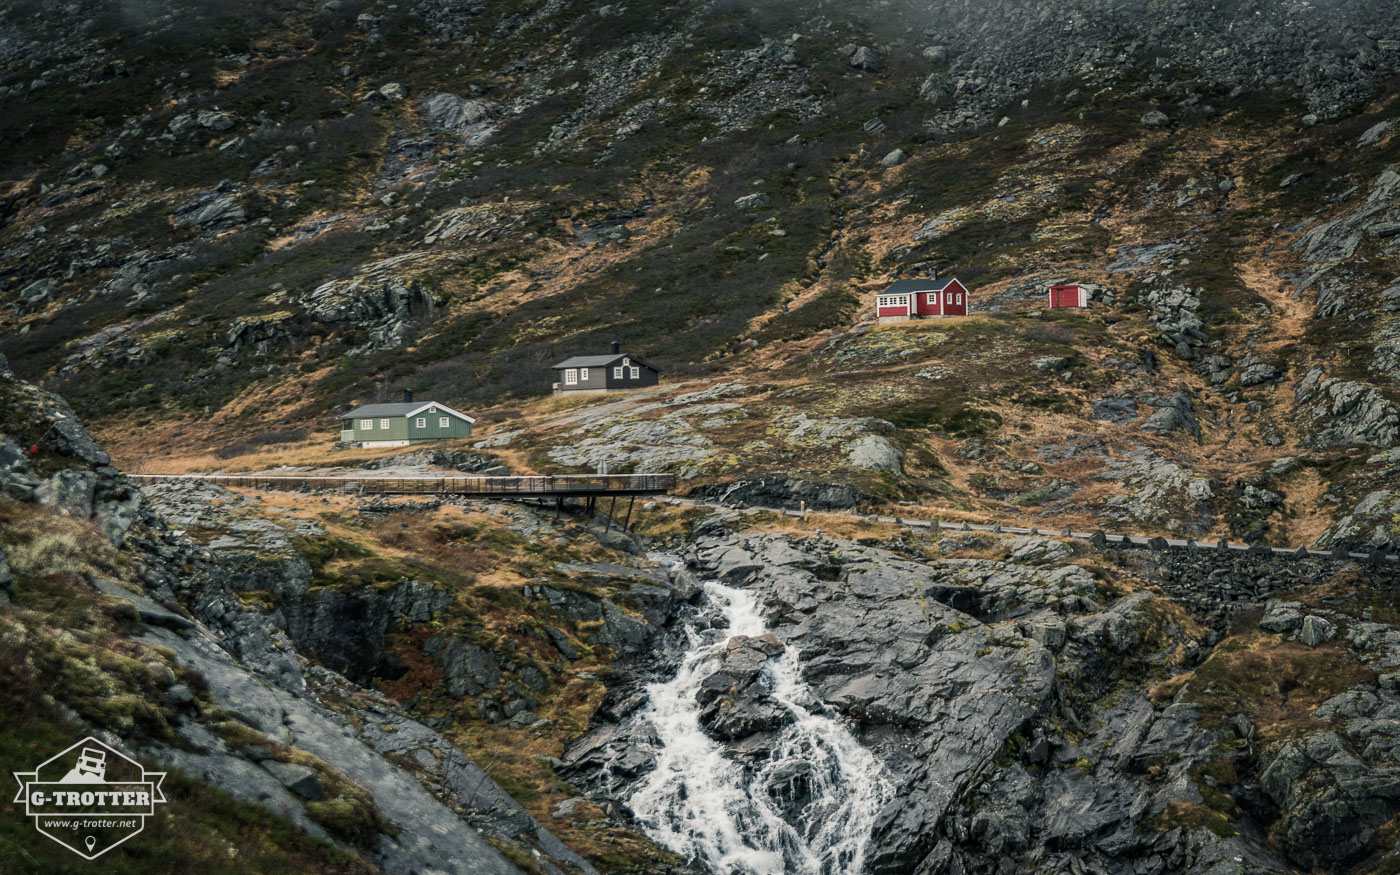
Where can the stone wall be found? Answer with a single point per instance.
(1214, 584)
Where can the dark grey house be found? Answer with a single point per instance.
(614, 372)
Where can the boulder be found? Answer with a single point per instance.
(1154, 118)
(212, 211)
(1316, 630)
(1172, 414)
(1115, 409)
(894, 158)
(936, 87)
(1259, 373)
(1053, 364)
(69, 492)
(393, 91)
(875, 453)
(864, 58)
(215, 121)
(753, 201)
(1282, 617)
(301, 780)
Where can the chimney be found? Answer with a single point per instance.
(616, 348)
(933, 273)
(408, 396)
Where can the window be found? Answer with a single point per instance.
(636, 372)
(950, 297)
(442, 422)
(570, 377)
(383, 425)
(583, 375)
(420, 422)
(366, 424)
(617, 372)
(894, 300)
(625, 363)
(959, 300)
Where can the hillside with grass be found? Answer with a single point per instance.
(222, 228)
(224, 225)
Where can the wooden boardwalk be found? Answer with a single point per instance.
(590, 486)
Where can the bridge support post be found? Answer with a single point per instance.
(631, 500)
(612, 505)
(558, 507)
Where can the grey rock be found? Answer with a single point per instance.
(301, 780)
(146, 609)
(864, 58)
(783, 492)
(1347, 413)
(1316, 630)
(1173, 414)
(467, 117)
(38, 291)
(1282, 617)
(1115, 409)
(1374, 133)
(1259, 373)
(936, 87)
(875, 453)
(69, 492)
(1052, 364)
(212, 211)
(215, 121)
(753, 201)
(1154, 118)
(894, 158)
(384, 306)
(393, 91)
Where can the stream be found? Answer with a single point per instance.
(807, 807)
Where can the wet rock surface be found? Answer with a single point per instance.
(948, 672)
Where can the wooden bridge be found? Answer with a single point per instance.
(589, 486)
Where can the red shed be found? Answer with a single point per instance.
(1073, 295)
(918, 299)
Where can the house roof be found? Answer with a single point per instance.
(402, 408)
(598, 361)
(901, 287)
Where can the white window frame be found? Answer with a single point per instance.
(617, 372)
(636, 372)
(570, 377)
(583, 375)
(443, 422)
(420, 422)
(367, 425)
(383, 425)
(893, 301)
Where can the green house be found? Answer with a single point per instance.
(403, 423)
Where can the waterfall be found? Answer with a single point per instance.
(706, 806)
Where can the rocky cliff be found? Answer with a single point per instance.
(1049, 714)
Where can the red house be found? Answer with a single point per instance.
(1073, 295)
(918, 299)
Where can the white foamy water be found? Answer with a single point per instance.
(705, 806)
